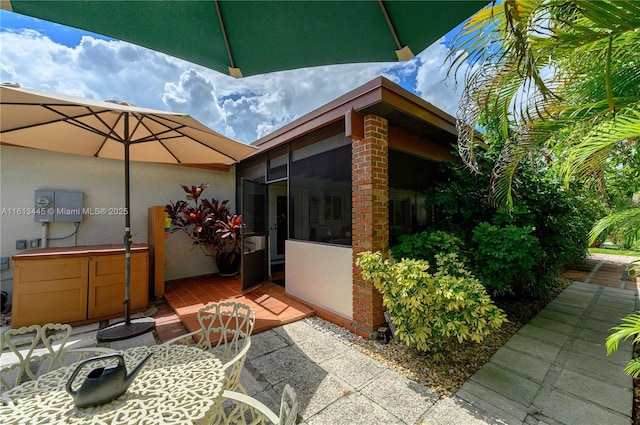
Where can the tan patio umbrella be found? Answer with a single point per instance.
(55, 122)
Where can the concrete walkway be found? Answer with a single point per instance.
(553, 371)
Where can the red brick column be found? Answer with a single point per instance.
(370, 193)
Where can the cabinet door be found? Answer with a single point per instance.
(49, 290)
(106, 283)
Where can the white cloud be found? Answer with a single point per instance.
(244, 109)
(432, 82)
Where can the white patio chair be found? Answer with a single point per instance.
(31, 351)
(225, 330)
(249, 411)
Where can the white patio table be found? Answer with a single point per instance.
(177, 385)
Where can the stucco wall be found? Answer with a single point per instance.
(320, 274)
(102, 181)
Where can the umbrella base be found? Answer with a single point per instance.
(124, 330)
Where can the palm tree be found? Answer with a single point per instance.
(556, 74)
(562, 78)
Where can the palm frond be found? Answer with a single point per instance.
(629, 327)
(634, 268)
(513, 154)
(627, 220)
(590, 51)
(633, 367)
(594, 149)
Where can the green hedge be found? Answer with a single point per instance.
(430, 308)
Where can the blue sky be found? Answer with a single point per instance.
(58, 33)
(51, 57)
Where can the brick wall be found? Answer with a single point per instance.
(370, 192)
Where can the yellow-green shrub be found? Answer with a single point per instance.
(429, 309)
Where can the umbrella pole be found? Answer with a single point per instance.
(127, 236)
(129, 328)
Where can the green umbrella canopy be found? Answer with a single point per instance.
(245, 38)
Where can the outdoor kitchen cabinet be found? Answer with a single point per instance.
(76, 284)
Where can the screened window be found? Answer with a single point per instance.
(252, 169)
(320, 190)
(410, 209)
(277, 162)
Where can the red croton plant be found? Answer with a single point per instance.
(210, 225)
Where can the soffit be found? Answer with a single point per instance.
(410, 124)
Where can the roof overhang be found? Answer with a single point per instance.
(403, 110)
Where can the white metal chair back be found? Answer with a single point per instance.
(225, 330)
(247, 410)
(55, 337)
(30, 351)
(288, 406)
(225, 327)
(18, 347)
(233, 369)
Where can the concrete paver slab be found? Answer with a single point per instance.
(571, 319)
(533, 347)
(90, 327)
(265, 343)
(600, 337)
(353, 409)
(579, 288)
(595, 391)
(296, 332)
(551, 325)
(542, 334)
(603, 326)
(531, 367)
(491, 404)
(455, 411)
(402, 397)
(611, 302)
(598, 351)
(83, 340)
(270, 398)
(616, 293)
(569, 410)
(322, 348)
(604, 371)
(316, 389)
(509, 384)
(574, 298)
(612, 314)
(564, 308)
(608, 311)
(252, 379)
(354, 368)
(283, 365)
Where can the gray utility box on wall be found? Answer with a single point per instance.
(58, 206)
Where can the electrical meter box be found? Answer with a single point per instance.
(53, 206)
